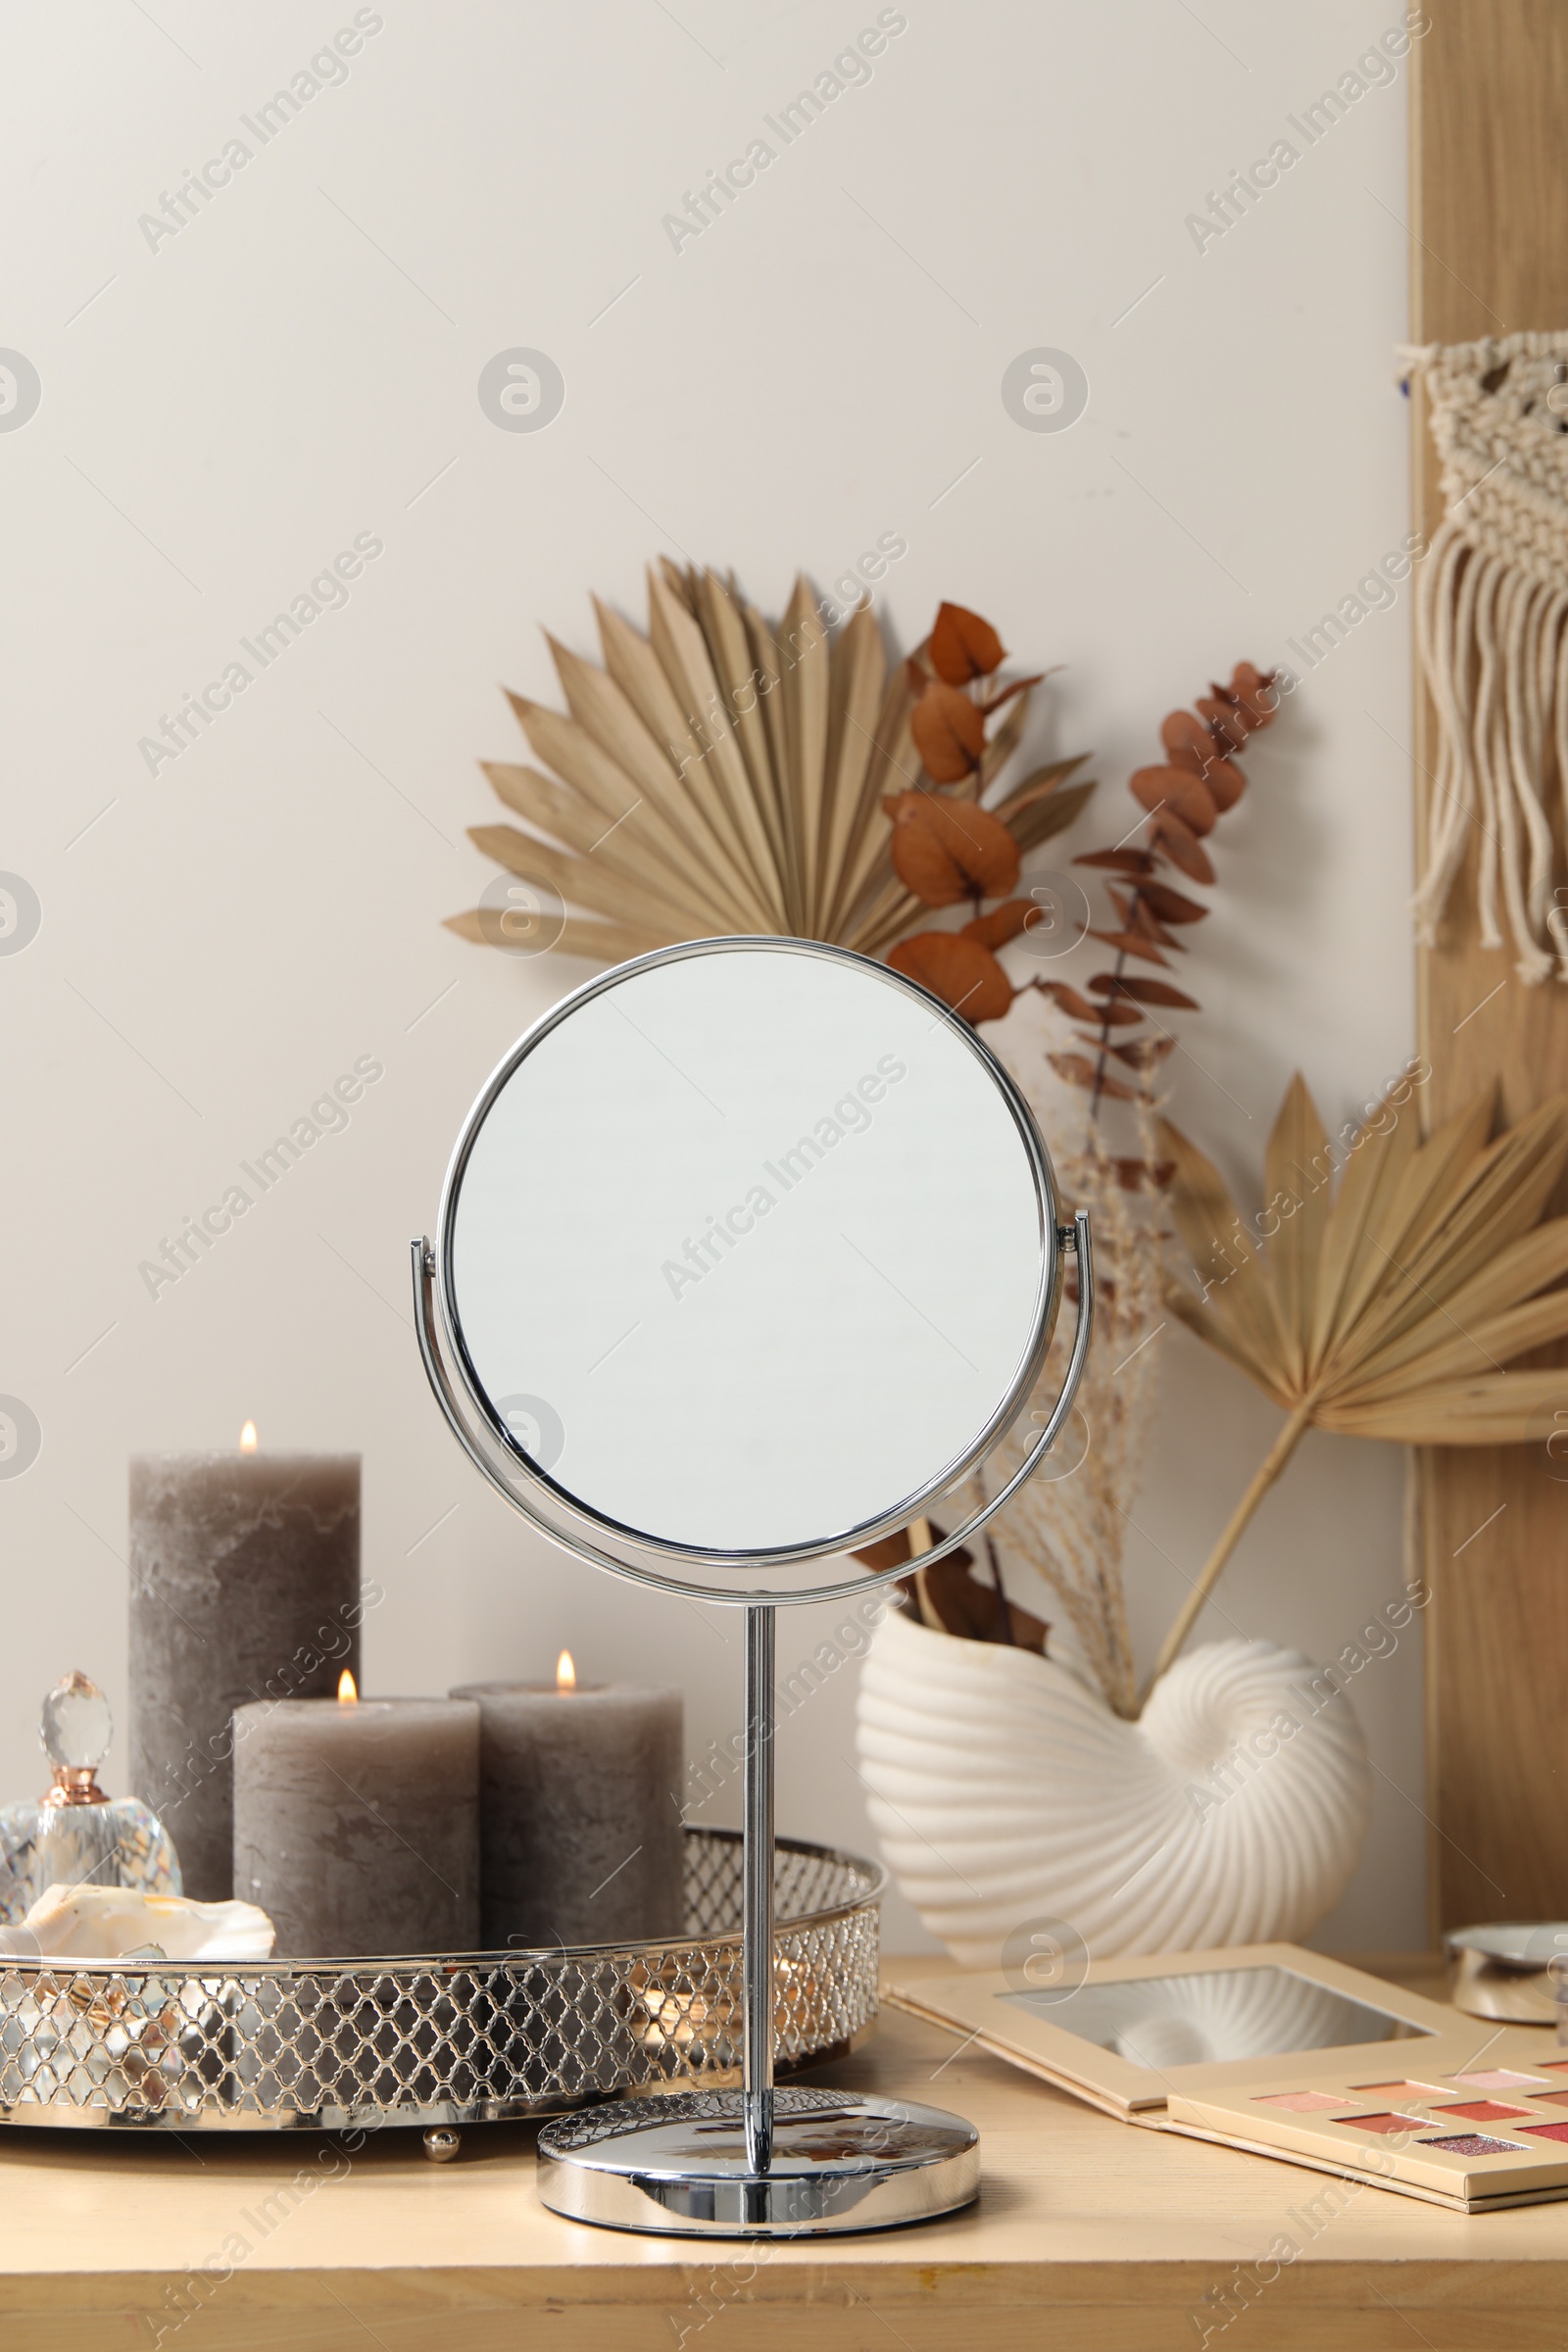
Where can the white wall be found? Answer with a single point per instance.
(299, 365)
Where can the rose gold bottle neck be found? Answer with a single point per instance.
(76, 1785)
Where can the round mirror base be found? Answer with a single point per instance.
(679, 2166)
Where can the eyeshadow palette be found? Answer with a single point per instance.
(1474, 2139)
(1284, 2053)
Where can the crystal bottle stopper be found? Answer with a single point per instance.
(74, 1727)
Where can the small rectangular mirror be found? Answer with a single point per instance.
(1263, 2011)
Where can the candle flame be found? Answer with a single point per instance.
(565, 1672)
(247, 1440)
(348, 1690)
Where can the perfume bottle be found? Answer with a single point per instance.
(76, 1835)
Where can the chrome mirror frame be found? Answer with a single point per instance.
(564, 1518)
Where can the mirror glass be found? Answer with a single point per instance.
(1197, 2019)
(749, 1249)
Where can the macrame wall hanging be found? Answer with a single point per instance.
(1492, 631)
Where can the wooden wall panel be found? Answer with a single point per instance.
(1489, 256)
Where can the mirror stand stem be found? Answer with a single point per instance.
(757, 1891)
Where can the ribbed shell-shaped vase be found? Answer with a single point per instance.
(1004, 1791)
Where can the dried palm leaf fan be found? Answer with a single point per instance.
(1390, 1309)
(1492, 621)
(720, 776)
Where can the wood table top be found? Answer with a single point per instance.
(1104, 2234)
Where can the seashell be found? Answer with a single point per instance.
(108, 1922)
(1002, 1789)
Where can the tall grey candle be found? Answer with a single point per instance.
(579, 1818)
(244, 1585)
(357, 1824)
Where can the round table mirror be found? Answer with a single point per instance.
(748, 1252)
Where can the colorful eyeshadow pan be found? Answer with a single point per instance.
(1474, 2143)
(1302, 2102)
(1499, 2078)
(1398, 2090)
(1546, 2130)
(1483, 2111)
(1386, 2123)
(1552, 2098)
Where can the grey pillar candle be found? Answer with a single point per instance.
(579, 1826)
(357, 1825)
(244, 1585)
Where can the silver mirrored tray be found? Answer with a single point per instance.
(475, 2038)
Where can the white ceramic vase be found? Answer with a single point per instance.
(1005, 1790)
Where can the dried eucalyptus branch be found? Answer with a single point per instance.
(1185, 798)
